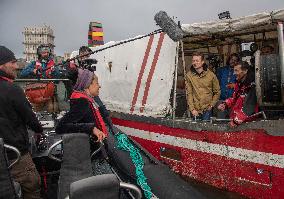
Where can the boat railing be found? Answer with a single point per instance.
(40, 80)
(261, 113)
(49, 153)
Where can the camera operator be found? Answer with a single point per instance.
(84, 62)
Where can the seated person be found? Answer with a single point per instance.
(227, 80)
(243, 103)
(83, 116)
(72, 66)
(42, 94)
(72, 75)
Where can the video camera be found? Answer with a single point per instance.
(214, 60)
(88, 64)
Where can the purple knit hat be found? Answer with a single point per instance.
(84, 80)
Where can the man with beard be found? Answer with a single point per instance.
(15, 115)
(243, 103)
(42, 94)
(44, 66)
(227, 80)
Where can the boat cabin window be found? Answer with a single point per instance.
(258, 47)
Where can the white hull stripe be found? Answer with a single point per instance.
(257, 157)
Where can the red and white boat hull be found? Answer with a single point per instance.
(247, 162)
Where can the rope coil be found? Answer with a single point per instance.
(124, 143)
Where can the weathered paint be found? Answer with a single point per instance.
(248, 162)
(131, 74)
(141, 72)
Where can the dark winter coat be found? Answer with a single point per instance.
(16, 115)
(80, 118)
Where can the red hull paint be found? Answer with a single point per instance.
(253, 140)
(152, 70)
(222, 172)
(142, 69)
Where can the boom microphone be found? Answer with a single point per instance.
(169, 26)
(162, 19)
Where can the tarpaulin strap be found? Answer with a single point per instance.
(124, 143)
(44, 174)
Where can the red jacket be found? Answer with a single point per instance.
(243, 103)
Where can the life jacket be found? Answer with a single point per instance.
(97, 115)
(237, 104)
(47, 71)
(39, 93)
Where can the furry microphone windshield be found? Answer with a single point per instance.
(169, 26)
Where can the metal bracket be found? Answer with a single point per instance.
(49, 152)
(16, 151)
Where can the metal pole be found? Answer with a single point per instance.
(184, 74)
(281, 54)
(39, 80)
(175, 87)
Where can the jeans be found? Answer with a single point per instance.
(205, 115)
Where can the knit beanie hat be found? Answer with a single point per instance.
(6, 55)
(84, 80)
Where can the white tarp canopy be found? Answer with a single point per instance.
(234, 25)
(124, 82)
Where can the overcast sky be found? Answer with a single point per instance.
(121, 19)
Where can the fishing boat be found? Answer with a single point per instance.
(142, 82)
(143, 87)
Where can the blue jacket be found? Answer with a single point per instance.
(28, 70)
(225, 76)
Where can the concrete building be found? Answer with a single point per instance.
(66, 56)
(33, 37)
(58, 59)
